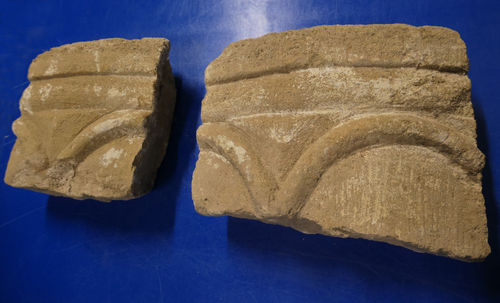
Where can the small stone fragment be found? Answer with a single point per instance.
(95, 120)
(349, 131)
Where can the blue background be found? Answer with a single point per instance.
(157, 248)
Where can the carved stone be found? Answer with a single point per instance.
(348, 131)
(95, 119)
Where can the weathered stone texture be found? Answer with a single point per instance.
(95, 119)
(349, 131)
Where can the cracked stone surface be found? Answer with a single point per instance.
(348, 131)
(95, 119)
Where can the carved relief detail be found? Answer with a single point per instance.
(284, 126)
(84, 118)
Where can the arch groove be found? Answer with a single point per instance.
(378, 130)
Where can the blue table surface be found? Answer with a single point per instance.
(157, 248)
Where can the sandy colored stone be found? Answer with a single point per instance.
(95, 119)
(348, 131)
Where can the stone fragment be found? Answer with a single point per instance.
(348, 131)
(95, 119)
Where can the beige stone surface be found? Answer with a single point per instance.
(95, 119)
(348, 131)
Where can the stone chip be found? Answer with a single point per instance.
(363, 131)
(95, 119)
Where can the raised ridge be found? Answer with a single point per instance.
(394, 45)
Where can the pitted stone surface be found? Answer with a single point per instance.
(349, 131)
(95, 119)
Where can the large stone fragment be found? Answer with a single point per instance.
(95, 119)
(349, 131)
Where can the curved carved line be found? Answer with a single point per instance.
(105, 129)
(222, 157)
(341, 141)
(233, 144)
